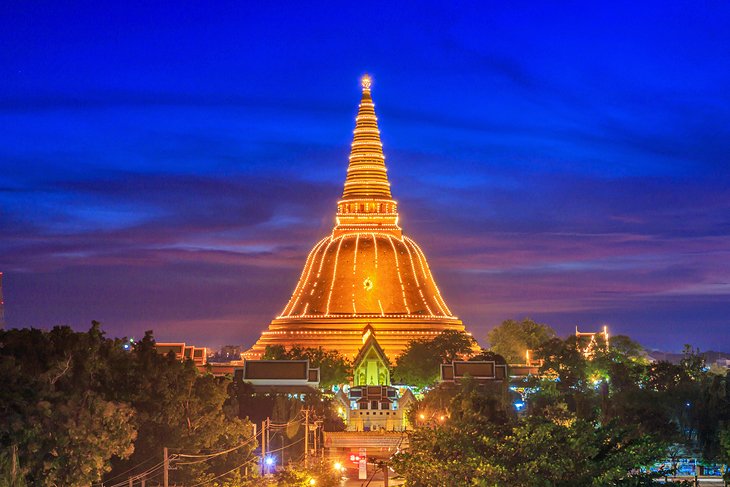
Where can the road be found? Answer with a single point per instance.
(376, 481)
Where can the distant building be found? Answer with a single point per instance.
(588, 341)
(721, 359)
(198, 355)
(232, 352)
(723, 362)
(227, 356)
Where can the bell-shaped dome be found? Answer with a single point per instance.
(366, 274)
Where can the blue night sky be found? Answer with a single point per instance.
(169, 167)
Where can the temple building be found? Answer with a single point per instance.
(366, 272)
(371, 403)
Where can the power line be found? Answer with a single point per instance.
(199, 458)
(243, 464)
(223, 474)
(123, 473)
(205, 458)
(292, 421)
(138, 476)
(285, 447)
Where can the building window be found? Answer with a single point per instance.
(373, 404)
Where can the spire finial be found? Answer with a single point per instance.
(366, 204)
(366, 81)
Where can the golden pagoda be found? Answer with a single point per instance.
(366, 276)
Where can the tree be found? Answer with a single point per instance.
(481, 443)
(77, 405)
(419, 363)
(296, 475)
(625, 348)
(182, 409)
(275, 352)
(511, 339)
(58, 424)
(334, 368)
(555, 449)
(724, 437)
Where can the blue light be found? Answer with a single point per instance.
(519, 405)
(269, 461)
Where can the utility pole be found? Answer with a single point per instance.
(165, 468)
(263, 447)
(14, 464)
(306, 437)
(314, 440)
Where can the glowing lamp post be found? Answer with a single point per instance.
(269, 462)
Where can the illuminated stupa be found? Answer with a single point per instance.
(366, 275)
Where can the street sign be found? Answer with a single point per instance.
(362, 471)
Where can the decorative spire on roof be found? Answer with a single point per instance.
(367, 204)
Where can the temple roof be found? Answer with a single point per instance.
(370, 344)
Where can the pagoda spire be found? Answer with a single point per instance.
(366, 174)
(367, 204)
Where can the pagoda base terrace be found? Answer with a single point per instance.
(345, 334)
